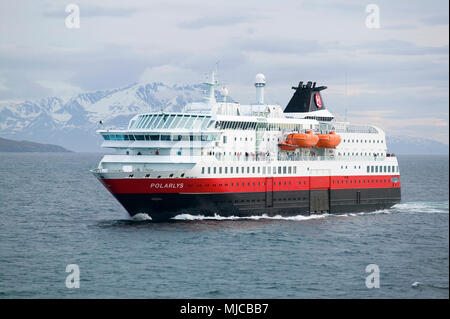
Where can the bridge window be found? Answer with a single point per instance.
(175, 121)
(151, 121)
(190, 122)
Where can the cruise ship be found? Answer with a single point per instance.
(221, 158)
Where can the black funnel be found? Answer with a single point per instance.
(307, 98)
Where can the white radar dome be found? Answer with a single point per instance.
(260, 78)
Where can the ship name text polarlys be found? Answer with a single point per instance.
(167, 185)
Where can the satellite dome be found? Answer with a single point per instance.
(260, 78)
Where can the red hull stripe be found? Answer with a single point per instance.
(245, 185)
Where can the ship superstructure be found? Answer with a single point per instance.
(223, 158)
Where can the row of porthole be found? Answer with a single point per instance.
(243, 184)
(254, 170)
(358, 154)
(364, 181)
(365, 141)
(159, 176)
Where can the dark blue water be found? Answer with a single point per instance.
(54, 213)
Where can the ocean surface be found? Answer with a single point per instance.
(55, 213)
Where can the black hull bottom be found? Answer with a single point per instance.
(162, 207)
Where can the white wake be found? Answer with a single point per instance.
(141, 217)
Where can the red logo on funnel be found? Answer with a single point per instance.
(318, 100)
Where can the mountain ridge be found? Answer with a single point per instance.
(7, 145)
(72, 122)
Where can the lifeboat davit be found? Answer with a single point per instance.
(330, 140)
(287, 147)
(303, 140)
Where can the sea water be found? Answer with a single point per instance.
(54, 213)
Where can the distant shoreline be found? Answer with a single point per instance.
(15, 146)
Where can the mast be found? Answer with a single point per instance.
(210, 97)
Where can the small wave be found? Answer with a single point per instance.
(375, 212)
(420, 285)
(416, 284)
(422, 207)
(141, 217)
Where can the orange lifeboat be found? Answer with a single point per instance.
(330, 140)
(287, 147)
(304, 140)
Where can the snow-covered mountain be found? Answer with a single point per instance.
(72, 122)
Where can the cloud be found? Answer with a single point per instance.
(441, 19)
(217, 21)
(169, 74)
(373, 113)
(3, 87)
(434, 128)
(400, 47)
(59, 88)
(285, 46)
(88, 11)
(18, 86)
(397, 27)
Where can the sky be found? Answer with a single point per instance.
(394, 76)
